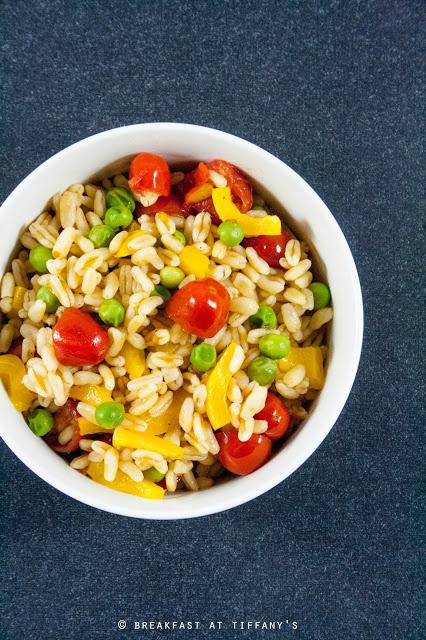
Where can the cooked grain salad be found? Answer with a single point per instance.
(160, 329)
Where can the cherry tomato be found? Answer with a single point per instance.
(242, 458)
(276, 414)
(78, 339)
(105, 437)
(196, 185)
(149, 172)
(171, 204)
(270, 248)
(67, 416)
(16, 347)
(207, 205)
(237, 182)
(200, 307)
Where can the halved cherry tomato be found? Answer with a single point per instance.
(196, 185)
(207, 205)
(276, 415)
(172, 204)
(78, 339)
(66, 416)
(15, 348)
(270, 248)
(105, 437)
(200, 307)
(149, 172)
(242, 458)
(237, 182)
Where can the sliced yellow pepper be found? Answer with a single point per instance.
(253, 226)
(87, 428)
(90, 393)
(140, 440)
(18, 298)
(217, 386)
(134, 360)
(194, 262)
(161, 424)
(144, 489)
(124, 249)
(199, 193)
(312, 360)
(12, 370)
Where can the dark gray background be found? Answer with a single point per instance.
(333, 89)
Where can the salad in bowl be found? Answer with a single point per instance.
(162, 328)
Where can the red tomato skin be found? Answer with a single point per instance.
(200, 175)
(15, 348)
(276, 415)
(78, 339)
(171, 204)
(200, 307)
(207, 205)
(270, 248)
(243, 458)
(238, 183)
(151, 173)
(66, 416)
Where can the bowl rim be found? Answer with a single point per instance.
(251, 490)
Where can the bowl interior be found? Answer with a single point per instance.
(302, 210)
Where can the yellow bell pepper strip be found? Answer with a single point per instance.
(194, 262)
(87, 428)
(217, 386)
(124, 249)
(253, 226)
(140, 440)
(199, 193)
(18, 298)
(161, 424)
(312, 360)
(12, 370)
(196, 185)
(90, 393)
(134, 360)
(144, 489)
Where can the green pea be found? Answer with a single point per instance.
(109, 414)
(161, 291)
(119, 198)
(274, 346)
(171, 277)
(203, 356)
(264, 317)
(40, 421)
(262, 370)
(321, 294)
(117, 218)
(231, 233)
(49, 299)
(153, 475)
(180, 236)
(101, 235)
(39, 256)
(112, 312)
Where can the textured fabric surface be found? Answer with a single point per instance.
(334, 89)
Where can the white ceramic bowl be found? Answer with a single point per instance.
(307, 215)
